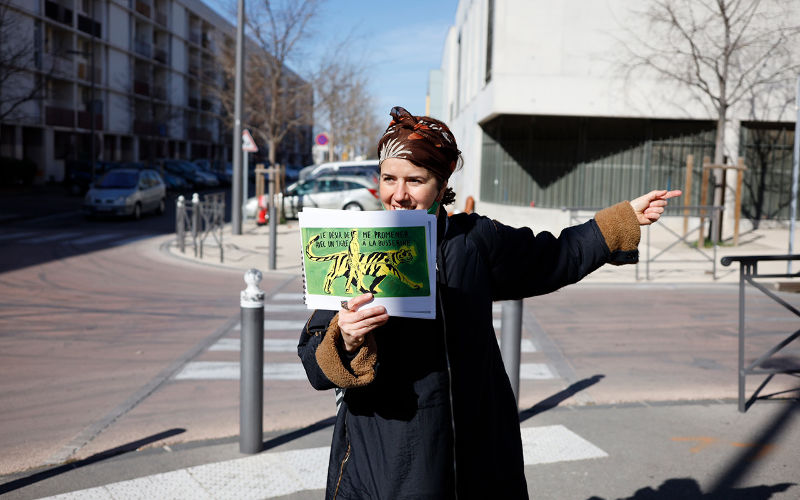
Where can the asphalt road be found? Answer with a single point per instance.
(108, 344)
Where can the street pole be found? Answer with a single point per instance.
(795, 168)
(245, 178)
(273, 218)
(236, 184)
(251, 385)
(510, 339)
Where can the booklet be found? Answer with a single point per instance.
(390, 253)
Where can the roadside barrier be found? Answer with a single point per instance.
(748, 271)
(200, 219)
(251, 379)
(510, 339)
(699, 212)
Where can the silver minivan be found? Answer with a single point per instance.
(126, 192)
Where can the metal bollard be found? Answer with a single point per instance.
(180, 214)
(195, 220)
(510, 339)
(251, 380)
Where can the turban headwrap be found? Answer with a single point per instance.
(425, 141)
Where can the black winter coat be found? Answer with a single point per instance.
(438, 415)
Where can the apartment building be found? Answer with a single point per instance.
(139, 75)
(545, 118)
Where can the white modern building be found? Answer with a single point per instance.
(137, 73)
(544, 116)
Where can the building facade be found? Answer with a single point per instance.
(139, 75)
(544, 116)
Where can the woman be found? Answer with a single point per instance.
(428, 410)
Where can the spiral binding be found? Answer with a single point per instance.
(303, 265)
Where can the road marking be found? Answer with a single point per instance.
(272, 307)
(280, 324)
(270, 345)
(130, 240)
(230, 370)
(703, 442)
(11, 236)
(525, 345)
(555, 443)
(280, 473)
(535, 371)
(49, 237)
(288, 297)
(94, 238)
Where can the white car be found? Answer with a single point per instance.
(126, 192)
(345, 192)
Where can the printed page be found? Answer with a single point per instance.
(391, 254)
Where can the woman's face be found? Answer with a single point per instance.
(405, 186)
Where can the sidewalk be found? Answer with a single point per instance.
(672, 261)
(657, 449)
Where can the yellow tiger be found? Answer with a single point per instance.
(377, 264)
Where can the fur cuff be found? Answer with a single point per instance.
(362, 368)
(620, 229)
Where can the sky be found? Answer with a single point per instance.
(397, 42)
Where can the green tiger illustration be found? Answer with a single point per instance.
(354, 265)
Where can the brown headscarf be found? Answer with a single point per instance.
(422, 140)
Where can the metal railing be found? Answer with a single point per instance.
(748, 271)
(200, 219)
(703, 212)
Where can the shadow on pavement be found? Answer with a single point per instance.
(559, 397)
(724, 487)
(291, 436)
(97, 457)
(688, 489)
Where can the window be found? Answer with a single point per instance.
(489, 40)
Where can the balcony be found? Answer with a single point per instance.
(89, 26)
(60, 117)
(141, 88)
(85, 74)
(142, 8)
(193, 102)
(60, 66)
(85, 120)
(194, 37)
(160, 93)
(199, 134)
(58, 13)
(194, 69)
(143, 127)
(161, 18)
(143, 48)
(206, 105)
(160, 55)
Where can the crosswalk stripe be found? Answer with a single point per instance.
(288, 297)
(270, 345)
(525, 345)
(230, 370)
(535, 371)
(272, 307)
(279, 324)
(281, 473)
(555, 443)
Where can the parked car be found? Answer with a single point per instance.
(350, 192)
(367, 168)
(190, 172)
(78, 174)
(126, 192)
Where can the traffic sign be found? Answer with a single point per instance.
(248, 144)
(322, 139)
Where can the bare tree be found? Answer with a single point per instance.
(345, 106)
(722, 51)
(20, 79)
(278, 101)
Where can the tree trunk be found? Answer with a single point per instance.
(719, 188)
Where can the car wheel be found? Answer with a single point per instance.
(162, 205)
(137, 211)
(353, 206)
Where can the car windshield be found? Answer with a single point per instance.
(119, 180)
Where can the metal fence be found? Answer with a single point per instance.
(571, 168)
(198, 220)
(556, 173)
